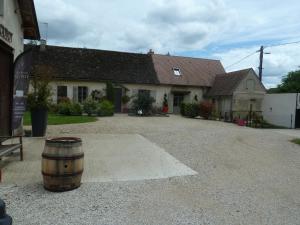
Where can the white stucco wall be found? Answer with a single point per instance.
(280, 109)
(157, 91)
(12, 21)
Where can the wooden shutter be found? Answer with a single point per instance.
(75, 94)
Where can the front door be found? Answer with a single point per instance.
(118, 100)
(6, 75)
(178, 99)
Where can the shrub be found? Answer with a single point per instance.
(142, 104)
(53, 108)
(90, 106)
(206, 109)
(182, 109)
(63, 99)
(191, 110)
(125, 99)
(105, 108)
(76, 109)
(64, 108)
(165, 102)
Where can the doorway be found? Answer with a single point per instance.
(118, 100)
(6, 78)
(178, 99)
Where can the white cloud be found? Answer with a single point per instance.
(282, 60)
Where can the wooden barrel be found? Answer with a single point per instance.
(62, 163)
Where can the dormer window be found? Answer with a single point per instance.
(177, 71)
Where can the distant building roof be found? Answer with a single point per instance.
(98, 65)
(79, 64)
(194, 71)
(226, 83)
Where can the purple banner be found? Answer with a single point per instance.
(22, 69)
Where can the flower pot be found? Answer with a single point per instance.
(165, 109)
(39, 119)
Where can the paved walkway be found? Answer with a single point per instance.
(108, 157)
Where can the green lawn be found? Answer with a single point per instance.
(54, 119)
(296, 141)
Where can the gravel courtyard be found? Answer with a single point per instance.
(245, 176)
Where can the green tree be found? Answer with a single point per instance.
(289, 84)
(110, 92)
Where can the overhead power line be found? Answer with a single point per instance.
(242, 59)
(268, 46)
(288, 43)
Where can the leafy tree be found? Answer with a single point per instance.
(289, 84)
(110, 92)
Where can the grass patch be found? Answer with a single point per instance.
(296, 141)
(54, 119)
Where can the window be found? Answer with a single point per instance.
(1, 7)
(62, 92)
(177, 71)
(82, 94)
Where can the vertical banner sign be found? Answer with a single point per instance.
(22, 69)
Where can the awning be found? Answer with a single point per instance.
(29, 19)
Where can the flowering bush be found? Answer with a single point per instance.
(206, 109)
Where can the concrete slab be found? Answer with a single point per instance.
(108, 157)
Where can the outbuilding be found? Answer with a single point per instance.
(237, 94)
(282, 109)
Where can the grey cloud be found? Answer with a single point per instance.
(64, 29)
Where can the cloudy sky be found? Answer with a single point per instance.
(220, 29)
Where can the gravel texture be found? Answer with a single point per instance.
(245, 176)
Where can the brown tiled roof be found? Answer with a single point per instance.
(226, 83)
(79, 64)
(195, 71)
(120, 67)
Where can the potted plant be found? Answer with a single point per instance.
(165, 104)
(38, 100)
(125, 100)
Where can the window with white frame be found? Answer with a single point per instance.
(82, 93)
(177, 71)
(62, 93)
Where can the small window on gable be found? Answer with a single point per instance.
(177, 71)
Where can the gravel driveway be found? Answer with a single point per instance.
(245, 176)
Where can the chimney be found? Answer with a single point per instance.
(151, 52)
(43, 44)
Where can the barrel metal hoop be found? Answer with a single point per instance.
(64, 140)
(63, 144)
(62, 175)
(58, 158)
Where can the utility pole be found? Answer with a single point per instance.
(261, 59)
